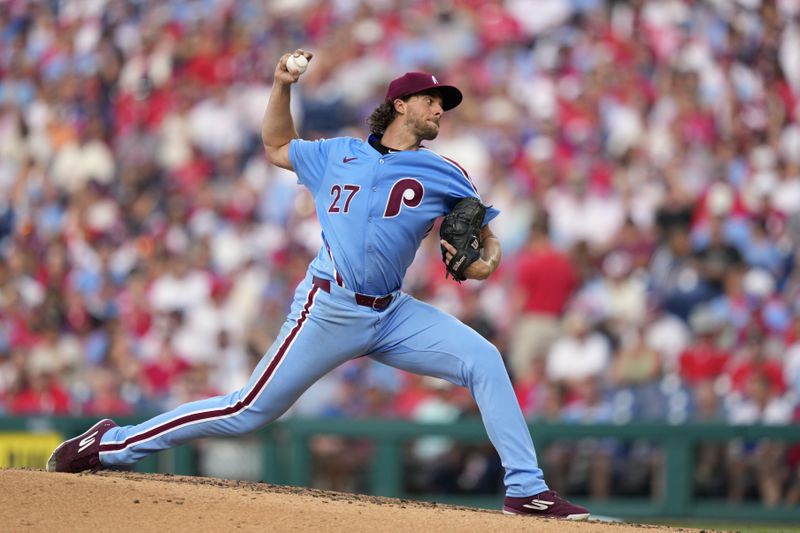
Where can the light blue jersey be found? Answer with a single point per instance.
(375, 209)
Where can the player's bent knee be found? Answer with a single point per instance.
(488, 361)
(265, 414)
(253, 421)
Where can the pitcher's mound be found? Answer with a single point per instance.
(35, 500)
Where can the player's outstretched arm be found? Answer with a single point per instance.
(277, 129)
(491, 254)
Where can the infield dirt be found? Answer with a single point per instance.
(34, 500)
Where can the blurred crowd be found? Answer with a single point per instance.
(645, 157)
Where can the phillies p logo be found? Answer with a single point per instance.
(405, 192)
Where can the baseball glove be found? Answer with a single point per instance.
(462, 229)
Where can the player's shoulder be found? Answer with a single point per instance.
(448, 164)
(345, 143)
(349, 141)
(344, 150)
(443, 160)
(335, 141)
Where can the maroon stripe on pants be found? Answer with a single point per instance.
(232, 409)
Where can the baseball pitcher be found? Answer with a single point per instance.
(376, 200)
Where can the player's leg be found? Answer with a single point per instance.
(419, 338)
(422, 339)
(301, 354)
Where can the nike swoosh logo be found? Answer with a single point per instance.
(348, 159)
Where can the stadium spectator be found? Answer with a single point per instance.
(37, 393)
(675, 276)
(581, 354)
(544, 281)
(635, 373)
(105, 398)
(635, 363)
(533, 389)
(618, 296)
(761, 463)
(587, 463)
(753, 359)
(716, 256)
(704, 359)
(710, 456)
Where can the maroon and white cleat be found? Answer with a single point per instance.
(546, 504)
(80, 453)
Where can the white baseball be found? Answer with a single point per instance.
(297, 64)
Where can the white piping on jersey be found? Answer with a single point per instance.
(336, 276)
(453, 164)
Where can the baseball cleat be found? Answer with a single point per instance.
(80, 453)
(546, 504)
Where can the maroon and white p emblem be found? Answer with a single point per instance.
(406, 191)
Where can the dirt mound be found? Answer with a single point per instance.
(33, 500)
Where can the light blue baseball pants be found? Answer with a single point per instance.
(322, 331)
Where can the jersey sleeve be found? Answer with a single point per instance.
(461, 186)
(309, 160)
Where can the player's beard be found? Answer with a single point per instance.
(424, 129)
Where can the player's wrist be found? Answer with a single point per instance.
(479, 270)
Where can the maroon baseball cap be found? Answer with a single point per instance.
(417, 82)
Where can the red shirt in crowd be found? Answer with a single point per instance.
(107, 405)
(45, 396)
(546, 279)
(702, 361)
(159, 376)
(742, 373)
